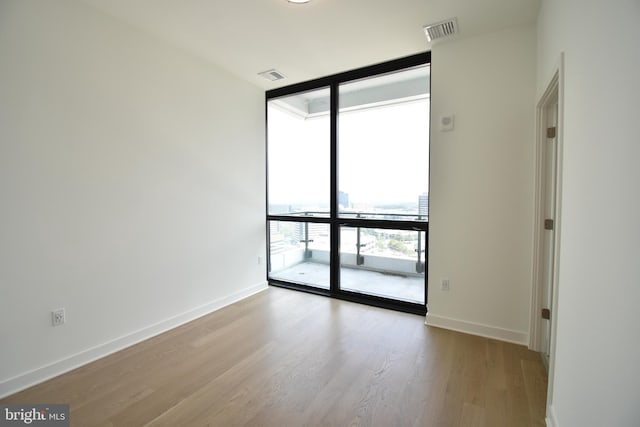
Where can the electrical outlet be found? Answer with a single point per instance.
(57, 317)
(444, 285)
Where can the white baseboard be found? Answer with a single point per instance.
(551, 419)
(479, 329)
(36, 376)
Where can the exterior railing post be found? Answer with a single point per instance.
(359, 258)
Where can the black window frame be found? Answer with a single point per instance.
(334, 220)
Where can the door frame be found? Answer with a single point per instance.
(553, 89)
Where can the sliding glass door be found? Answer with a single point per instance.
(348, 184)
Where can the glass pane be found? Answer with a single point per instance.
(299, 253)
(385, 263)
(383, 146)
(298, 154)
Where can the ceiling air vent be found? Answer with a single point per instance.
(441, 29)
(272, 75)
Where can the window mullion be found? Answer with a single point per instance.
(335, 229)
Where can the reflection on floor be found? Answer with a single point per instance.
(404, 288)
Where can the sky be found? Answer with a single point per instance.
(383, 155)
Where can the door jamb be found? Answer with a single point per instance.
(557, 80)
(535, 333)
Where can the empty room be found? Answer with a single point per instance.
(319, 213)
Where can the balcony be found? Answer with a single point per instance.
(384, 263)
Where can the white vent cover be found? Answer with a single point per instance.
(441, 29)
(272, 75)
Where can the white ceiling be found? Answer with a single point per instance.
(311, 40)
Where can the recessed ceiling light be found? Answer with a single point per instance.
(298, 1)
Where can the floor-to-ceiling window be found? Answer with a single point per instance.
(348, 184)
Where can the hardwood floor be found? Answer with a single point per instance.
(285, 358)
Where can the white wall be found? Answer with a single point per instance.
(131, 187)
(481, 184)
(597, 372)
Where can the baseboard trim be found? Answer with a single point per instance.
(36, 376)
(479, 329)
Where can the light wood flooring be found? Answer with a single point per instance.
(285, 358)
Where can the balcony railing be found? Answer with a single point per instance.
(396, 254)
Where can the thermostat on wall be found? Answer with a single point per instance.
(446, 123)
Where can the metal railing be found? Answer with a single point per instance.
(306, 238)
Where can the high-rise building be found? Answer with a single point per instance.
(423, 205)
(343, 199)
